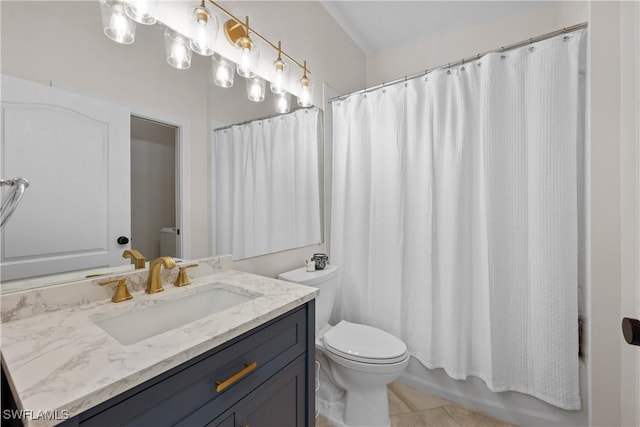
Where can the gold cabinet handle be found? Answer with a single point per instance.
(221, 385)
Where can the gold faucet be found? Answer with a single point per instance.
(121, 293)
(155, 279)
(183, 279)
(136, 257)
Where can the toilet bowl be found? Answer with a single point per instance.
(362, 359)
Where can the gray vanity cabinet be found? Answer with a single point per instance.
(278, 391)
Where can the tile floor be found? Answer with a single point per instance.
(409, 407)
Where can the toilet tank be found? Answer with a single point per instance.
(327, 283)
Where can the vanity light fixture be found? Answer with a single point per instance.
(119, 18)
(116, 24)
(177, 48)
(256, 88)
(223, 71)
(141, 11)
(206, 31)
(306, 89)
(281, 70)
(238, 35)
(283, 103)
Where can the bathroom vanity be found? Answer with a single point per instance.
(247, 364)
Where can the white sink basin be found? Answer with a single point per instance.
(136, 326)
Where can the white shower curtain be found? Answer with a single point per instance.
(266, 185)
(455, 217)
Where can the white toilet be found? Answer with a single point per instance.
(362, 359)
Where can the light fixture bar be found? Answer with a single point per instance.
(230, 15)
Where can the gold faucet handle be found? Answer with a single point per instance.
(136, 257)
(122, 292)
(183, 278)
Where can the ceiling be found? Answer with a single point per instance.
(379, 25)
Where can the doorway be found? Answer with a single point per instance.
(154, 227)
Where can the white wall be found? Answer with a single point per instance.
(64, 43)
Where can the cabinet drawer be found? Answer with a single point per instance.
(279, 402)
(193, 384)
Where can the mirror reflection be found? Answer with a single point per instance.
(266, 184)
(117, 145)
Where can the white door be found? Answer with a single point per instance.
(74, 150)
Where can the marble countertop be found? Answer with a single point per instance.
(61, 362)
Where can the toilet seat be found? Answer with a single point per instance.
(364, 344)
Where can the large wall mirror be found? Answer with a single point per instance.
(146, 173)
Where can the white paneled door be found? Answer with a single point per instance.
(74, 150)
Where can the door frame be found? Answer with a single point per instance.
(613, 211)
(630, 192)
(637, 145)
(183, 178)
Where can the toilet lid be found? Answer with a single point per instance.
(364, 343)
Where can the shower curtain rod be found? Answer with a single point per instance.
(466, 60)
(270, 116)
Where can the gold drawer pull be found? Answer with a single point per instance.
(221, 385)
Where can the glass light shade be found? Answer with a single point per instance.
(283, 103)
(223, 71)
(117, 26)
(256, 88)
(305, 99)
(280, 77)
(205, 31)
(249, 55)
(177, 48)
(141, 11)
